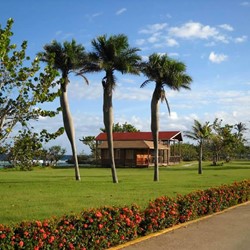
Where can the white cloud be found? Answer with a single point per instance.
(58, 33)
(171, 42)
(226, 27)
(162, 35)
(174, 54)
(140, 42)
(217, 58)
(246, 4)
(96, 14)
(153, 39)
(173, 116)
(90, 17)
(119, 12)
(241, 39)
(192, 30)
(153, 28)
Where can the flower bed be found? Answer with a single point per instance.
(110, 226)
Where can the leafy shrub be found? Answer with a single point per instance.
(109, 226)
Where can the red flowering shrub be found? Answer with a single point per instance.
(160, 213)
(188, 206)
(109, 226)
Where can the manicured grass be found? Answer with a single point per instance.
(44, 193)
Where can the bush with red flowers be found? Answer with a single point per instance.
(110, 226)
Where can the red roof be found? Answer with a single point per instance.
(138, 136)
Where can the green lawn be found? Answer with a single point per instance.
(43, 193)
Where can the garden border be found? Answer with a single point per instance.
(167, 230)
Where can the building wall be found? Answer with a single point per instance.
(135, 157)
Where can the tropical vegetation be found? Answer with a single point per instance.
(164, 71)
(112, 54)
(200, 133)
(23, 87)
(104, 227)
(67, 57)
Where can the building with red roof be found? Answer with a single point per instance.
(136, 149)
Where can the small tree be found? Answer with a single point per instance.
(200, 133)
(26, 150)
(224, 142)
(90, 141)
(54, 154)
(188, 152)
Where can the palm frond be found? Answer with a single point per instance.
(145, 83)
(166, 100)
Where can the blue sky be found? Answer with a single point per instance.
(210, 37)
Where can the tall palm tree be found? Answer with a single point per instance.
(164, 72)
(110, 55)
(67, 57)
(240, 128)
(200, 133)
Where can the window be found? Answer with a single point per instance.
(129, 154)
(105, 154)
(117, 153)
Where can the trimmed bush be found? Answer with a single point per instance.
(109, 226)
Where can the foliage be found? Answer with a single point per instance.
(125, 127)
(160, 214)
(54, 154)
(165, 72)
(110, 55)
(188, 152)
(83, 159)
(26, 149)
(200, 133)
(110, 226)
(67, 57)
(90, 141)
(22, 86)
(224, 142)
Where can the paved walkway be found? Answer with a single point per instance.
(229, 230)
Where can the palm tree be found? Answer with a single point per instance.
(200, 132)
(110, 55)
(67, 57)
(164, 72)
(240, 128)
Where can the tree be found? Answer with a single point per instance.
(54, 154)
(68, 57)
(224, 141)
(125, 127)
(164, 72)
(200, 133)
(26, 150)
(90, 141)
(110, 55)
(188, 152)
(22, 88)
(240, 128)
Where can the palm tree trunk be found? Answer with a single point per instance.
(69, 126)
(108, 123)
(155, 130)
(200, 159)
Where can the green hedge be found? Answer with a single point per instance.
(110, 226)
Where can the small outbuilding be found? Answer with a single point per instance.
(136, 149)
